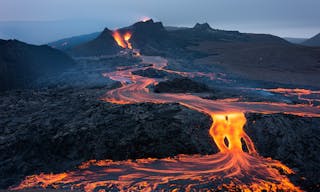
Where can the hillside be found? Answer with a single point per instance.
(290, 64)
(313, 41)
(295, 40)
(67, 43)
(21, 64)
(104, 44)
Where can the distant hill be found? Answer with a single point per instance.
(173, 28)
(313, 41)
(152, 38)
(67, 43)
(284, 63)
(21, 64)
(295, 40)
(104, 44)
(204, 32)
(261, 57)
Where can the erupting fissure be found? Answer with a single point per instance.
(231, 169)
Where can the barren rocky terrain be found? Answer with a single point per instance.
(53, 130)
(56, 130)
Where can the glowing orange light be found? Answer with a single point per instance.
(247, 172)
(127, 37)
(229, 127)
(119, 39)
(145, 19)
(122, 40)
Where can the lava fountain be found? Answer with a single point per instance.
(232, 169)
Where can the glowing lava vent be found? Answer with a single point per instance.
(122, 40)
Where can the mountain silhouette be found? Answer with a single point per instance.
(104, 44)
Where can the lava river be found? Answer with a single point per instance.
(231, 169)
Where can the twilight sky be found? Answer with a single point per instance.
(42, 21)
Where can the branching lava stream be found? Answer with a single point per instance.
(231, 169)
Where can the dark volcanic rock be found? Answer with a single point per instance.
(104, 44)
(143, 32)
(56, 130)
(205, 33)
(67, 43)
(180, 85)
(202, 27)
(150, 37)
(293, 140)
(21, 64)
(154, 73)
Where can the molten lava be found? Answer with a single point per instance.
(122, 40)
(229, 127)
(310, 96)
(119, 39)
(126, 38)
(231, 169)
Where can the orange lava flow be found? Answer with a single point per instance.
(302, 94)
(228, 171)
(230, 127)
(119, 39)
(122, 40)
(232, 169)
(127, 37)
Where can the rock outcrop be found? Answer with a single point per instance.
(180, 85)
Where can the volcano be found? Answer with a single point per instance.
(104, 44)
(186, 109)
